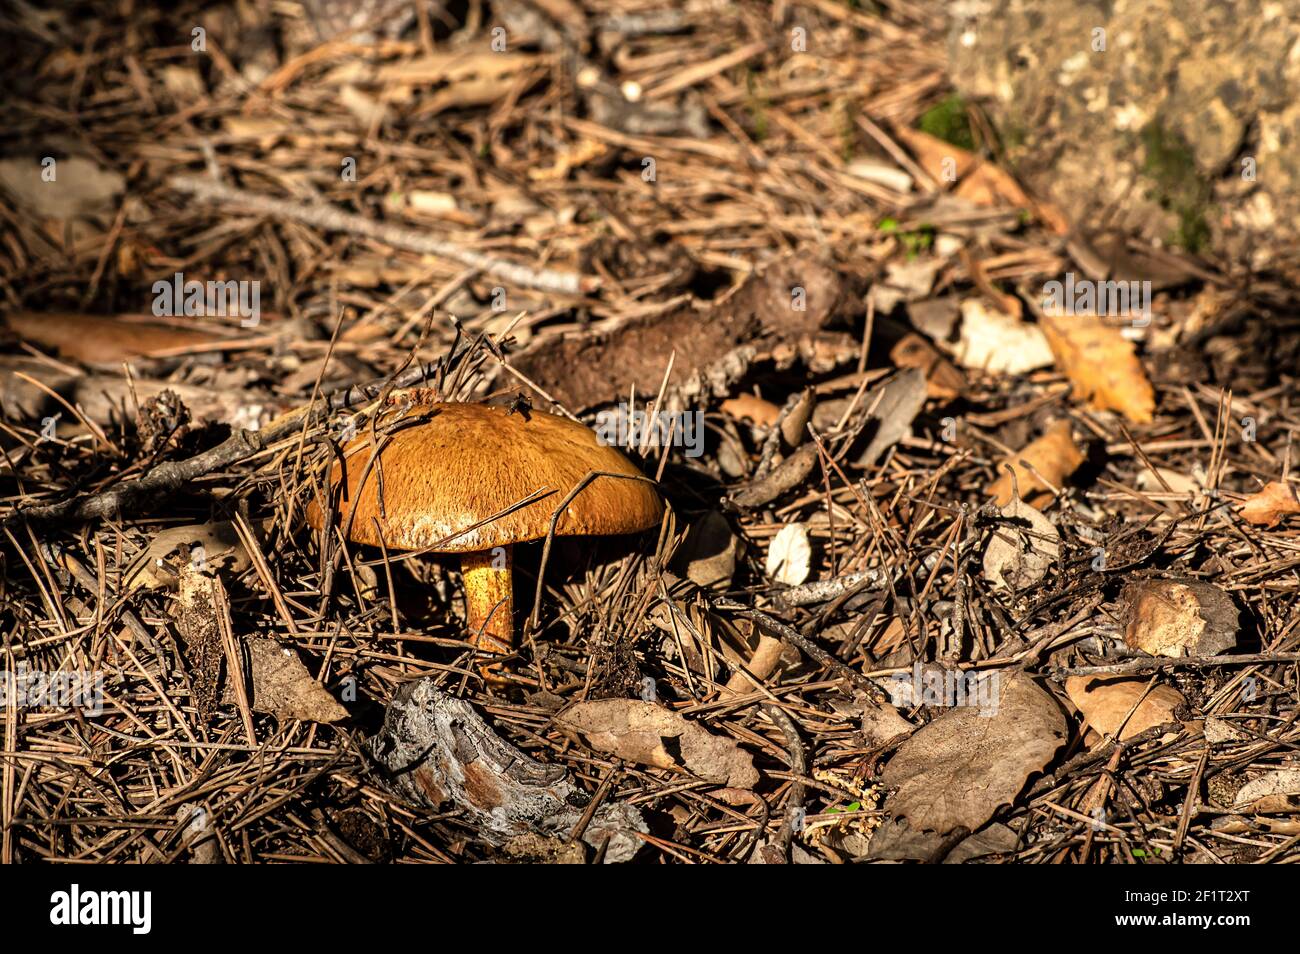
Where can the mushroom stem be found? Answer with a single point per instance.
(489, 598)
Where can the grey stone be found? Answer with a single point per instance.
(1149, 136)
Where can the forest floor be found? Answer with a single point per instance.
(946, 574)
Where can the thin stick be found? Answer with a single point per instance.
(332, 219)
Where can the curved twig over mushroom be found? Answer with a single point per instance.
(475, 479)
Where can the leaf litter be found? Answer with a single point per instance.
(989, 496)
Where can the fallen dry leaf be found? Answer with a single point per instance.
(283, 687)
(935, 155)
(1102, 366)
(895, 405)
(789, 555)
(748, 407)
(1170, 618)
(1218, 731)
(367, 110)
(26, 383)
(649, 734)
(106, 399)
(1277, 792)
(196, 617)
(1270, 505)
(904, 281)
(963, 766)
(80, 186)
(1018, 555)
(93, 339)
(1105, 701)
(708, 555)
(451, 67)
(761, 664)
(569, 159)
(221, 550)
(943, 379)
(794, 427)
(978, 181)
(999, 343)
(895, 840)
(1163, 480)
(783, 477)
(1053, 458)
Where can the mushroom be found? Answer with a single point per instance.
(476, 479)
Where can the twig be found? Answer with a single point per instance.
(1174, 662)
(329, 218)
(807, 646)
(779, 850)
(170, 476)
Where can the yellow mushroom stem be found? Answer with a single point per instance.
(489, 598)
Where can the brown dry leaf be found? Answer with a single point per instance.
(283, 687)
(1104, 701)
(643, 732)
(942, 378)
(265, 131)
(931, 152)
(1102, 366)
(97, 340)
(1270, 505)
(450, 67)
(708, 555)
(80, 186)
(26, 383)
(1277, 792)
(980, 182)
(766, 656)
(794, 428)
(788, 474)
(105, 398)
(221, 549)
(1054, 456)
(896, 405)
(1020, 553)
(368, 111)
(748, 407)
(1169, 618)
(967, 763)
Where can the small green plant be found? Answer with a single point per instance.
(947, 120)
(915, 241)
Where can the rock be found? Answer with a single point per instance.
(1173, 120)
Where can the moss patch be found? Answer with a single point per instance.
(1179, 185)
(947, 120)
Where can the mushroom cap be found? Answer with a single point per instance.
(447, 467)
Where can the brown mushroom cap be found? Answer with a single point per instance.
(447, 467)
